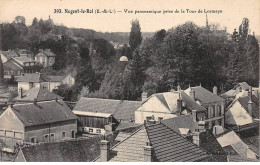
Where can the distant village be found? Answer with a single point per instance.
(192, 124)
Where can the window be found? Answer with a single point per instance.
(63, 135)
(46, 138)
(98, 131)
(90, 130)
(52, 139)
(33, 140)
(240, 89)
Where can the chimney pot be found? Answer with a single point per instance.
(104, 148)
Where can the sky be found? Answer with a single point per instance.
(233, 11)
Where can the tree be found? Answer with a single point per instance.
(1, 72)
(135, 37)
(19, 19)
(35, 21)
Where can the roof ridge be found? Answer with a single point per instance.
(109, 99)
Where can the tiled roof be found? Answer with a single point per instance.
(37, 93)
(43, 112)
(12, 65)
(78, 150)
(169, 100)
(185, 121)
(255, 105)
(123, 125)
(123, 110)
(9, 54)
(47, 52)
(122, 136)
(168, 146)
(203, 95)
(56, 78)
(33, 77)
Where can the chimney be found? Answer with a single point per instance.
(178, 88)
(249, 107)
(144, 96)
(35, 102)
(104, 151)
(179, 105)
(148, 152)
(160, 120)
(215, 90)
(56, 99)
(250, 93)
(196, 138)
(194, 115)
(192, 93)
(201, 125)
(20, 93)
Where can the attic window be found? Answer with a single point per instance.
(240, 89)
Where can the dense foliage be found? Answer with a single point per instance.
(183, 55)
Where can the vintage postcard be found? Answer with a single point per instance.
(129, 81)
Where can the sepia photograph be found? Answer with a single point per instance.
(129, 81)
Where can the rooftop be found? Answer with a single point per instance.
(185, 121)
(168, 146)
(43, 112)
(47, 52)
(9, 54)
(36, 93)
(169, 100)
(255, 104)
(203, 95)
(76, 150)
(121, 110)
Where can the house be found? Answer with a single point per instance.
(72, 150)
(23, 52)
(96, 123)
(55, 81)
(12, 68)
(214, 104)
(28, 81)
(242, 110)
(37, 122)
(233, 145)
(153, 142)
(45, 57)
(240, 90)
(97, 115)
(6, 55)
(16, 66)
(40, 94)
(69, 79)
(125, 129)
(167, 105)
